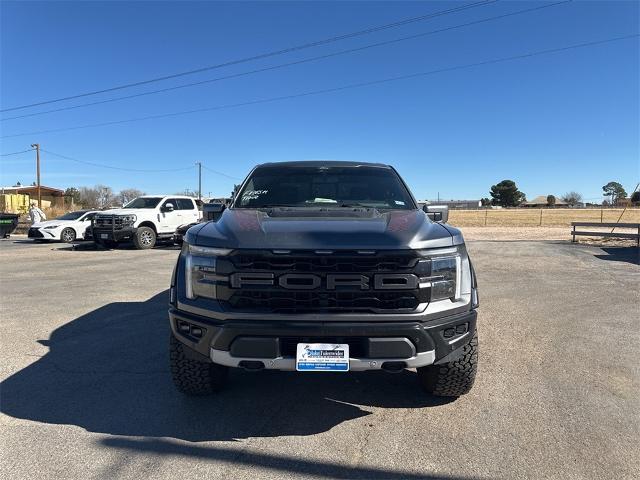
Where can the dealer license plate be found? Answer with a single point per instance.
(322, 357)
(104, 236)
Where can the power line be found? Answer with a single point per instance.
(265, 55)
(114, 167)
(288, 64)
(331, 90)
(220, 173)
(16, 153)
(135, 169)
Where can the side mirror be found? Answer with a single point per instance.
(437, 213)
(212, 211)
(168, 207)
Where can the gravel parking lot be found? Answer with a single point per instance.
(86, 391)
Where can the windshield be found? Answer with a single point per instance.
(293, 186)
(71, 216)
(144, 202)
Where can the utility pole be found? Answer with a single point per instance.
(37, 147)
(199, 180)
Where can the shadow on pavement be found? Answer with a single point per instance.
(284, 464)
(107, 372)
(621, 254)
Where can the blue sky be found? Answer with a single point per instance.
(553, 123)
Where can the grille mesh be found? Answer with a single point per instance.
(107, 222)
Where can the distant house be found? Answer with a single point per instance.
(17, 199)
(541, 202)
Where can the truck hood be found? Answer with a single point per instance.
(323, 229)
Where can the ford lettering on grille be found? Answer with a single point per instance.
(332, 281)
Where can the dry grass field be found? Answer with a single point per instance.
(548, 217)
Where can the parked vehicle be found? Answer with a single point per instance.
(8, 224)
(181, 231)
(324, 266)
(144, 220)
(210, 211)
(68, 228)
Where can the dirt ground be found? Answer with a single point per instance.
(545, 217)
(542, 233)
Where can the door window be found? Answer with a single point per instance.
(185, 204)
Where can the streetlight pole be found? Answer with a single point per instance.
(37, 147)
(199, 180)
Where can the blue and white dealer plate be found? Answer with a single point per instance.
(322, 357)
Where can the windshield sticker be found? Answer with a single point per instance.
(253, 194)
(398, 202)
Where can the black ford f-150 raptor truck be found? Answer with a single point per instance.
(324, 266)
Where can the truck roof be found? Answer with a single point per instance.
(323, 163)
(163, 196)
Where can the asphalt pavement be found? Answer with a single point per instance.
(85, 389)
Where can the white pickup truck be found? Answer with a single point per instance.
(144, 220)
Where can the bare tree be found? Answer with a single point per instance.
(99, 196)
(572, 198)
(188, 193)
(106, 198)
(128, 194)
(88, 197)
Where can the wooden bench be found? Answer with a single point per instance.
(629, 235)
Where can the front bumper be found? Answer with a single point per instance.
(373, 345)
(114, 235)
(43, 233)
(35, 233)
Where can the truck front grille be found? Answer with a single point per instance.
(110, 221)
(269, 295)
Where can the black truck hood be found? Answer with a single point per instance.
(323, 229)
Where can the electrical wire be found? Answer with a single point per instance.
(138, 170)
(288, 64)
(264, 55)
(331, 90)
(16, 153)
(220, 173)
(114, 167)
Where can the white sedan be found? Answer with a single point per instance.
(68, 228)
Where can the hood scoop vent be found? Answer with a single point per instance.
(337, 212)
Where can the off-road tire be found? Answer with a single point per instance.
(194, 377)
(455, 378)
(68, 235)
(144, 238)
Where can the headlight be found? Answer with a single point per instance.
(51, 226)
(129, 218)
(442, 272)
(200, 270)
